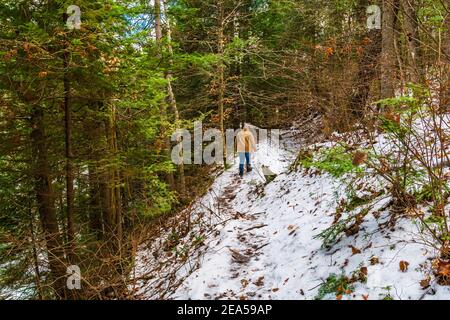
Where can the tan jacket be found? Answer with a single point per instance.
(245, 141)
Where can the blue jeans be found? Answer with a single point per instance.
(243, 157)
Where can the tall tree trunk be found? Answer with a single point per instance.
(444, 59)
(46, 203)
(112, 198)
(37, 273)
(171, 95)
(367, 68)
(95, 214)
(94, 129)
(221, 70)
(412, 38)
(163, 130)
(367, 72)
(388, 57)
(69, 159)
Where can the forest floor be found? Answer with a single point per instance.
(261, 242)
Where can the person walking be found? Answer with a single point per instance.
(246, 145)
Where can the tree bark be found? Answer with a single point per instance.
(412, 39)
(171, 95)
(46, 204)
(366, 74)
(69, 159)
(37, 273)
(111, 181)
(163, 130)
(94, 129)
(388, 57)
(221, 71)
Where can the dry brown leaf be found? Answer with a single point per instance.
(403, 266)
(355, 250)
(425, 283)
(359, 158)
(442, 271)
(374, 260)
(259, 282)
(364, 271)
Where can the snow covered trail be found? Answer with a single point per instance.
(267, 248)
(238, 255)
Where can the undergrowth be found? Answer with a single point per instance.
(336, 161)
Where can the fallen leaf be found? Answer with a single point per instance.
(425, 283)
(355, 250)
(364, 270)
(259, 282)
(374, 260)
(339, 297)
(404, 266)
(359, 158)
(442, 271)
(365, 297)
(362, 275)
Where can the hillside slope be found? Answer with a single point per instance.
(268, 246)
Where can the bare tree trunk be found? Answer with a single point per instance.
(163, 131)
(398, 54)
(69, 160)
(46, 204)
(221, 70)
(37, 273)
(112, 177)
(412, 38)
(366, 74)
(388, 57)
(94, 130)
(95, 221)
(444, 54)
(171, 96)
